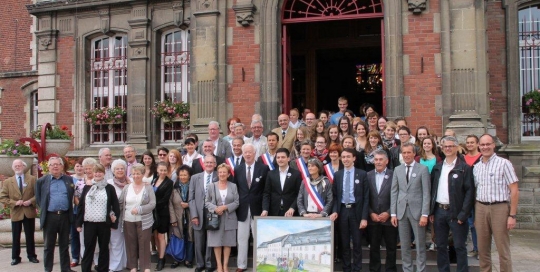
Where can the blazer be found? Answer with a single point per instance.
(273, 194)
(250, 197)
(224, 149)
(416, 193)
(263, 145)
(177, 214)
(198, 168)
(42, 196)
(274, 162)
(197, 197)
(461, 189)
(361, 193)
(231, 201)
(394, 152)
(368, 166)
(379, 202)
(112, 206)
(163, 194)
(288, 141)
(325, 190)
(148, 203)
(11, 194)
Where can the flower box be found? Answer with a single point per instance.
(59, 147)
(7, 161)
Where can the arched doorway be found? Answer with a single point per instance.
(332, 48)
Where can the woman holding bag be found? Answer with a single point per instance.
(163, 187)
(223, 199)
(179, 212)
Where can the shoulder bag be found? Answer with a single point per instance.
(212, 219)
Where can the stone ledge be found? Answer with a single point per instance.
(18, 74)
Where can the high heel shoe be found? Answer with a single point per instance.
(160, 264)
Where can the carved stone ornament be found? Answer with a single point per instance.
(45, 42)
(244, 13)
(417, 6)
(46, 39)
(104, 17)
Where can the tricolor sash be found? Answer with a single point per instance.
(267, 159)
(306, 178)
(329, 170)
(230, 162)
(201, 161)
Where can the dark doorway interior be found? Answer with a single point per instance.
(336, 58)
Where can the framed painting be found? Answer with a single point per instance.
(293, 244)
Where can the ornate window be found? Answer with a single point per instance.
(529, 60)
(108, 85)
(313, 10)
(175, 77)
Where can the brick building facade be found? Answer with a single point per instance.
(457, 64)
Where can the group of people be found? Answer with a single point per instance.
(369, 175)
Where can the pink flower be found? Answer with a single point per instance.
(14, 151)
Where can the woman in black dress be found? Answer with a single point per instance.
(163, 187)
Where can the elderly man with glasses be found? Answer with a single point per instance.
(258, 139)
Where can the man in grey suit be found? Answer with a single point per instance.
(223, 148)
(410, 205)
(379, 225)
(197, 195)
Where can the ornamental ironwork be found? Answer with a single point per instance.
(315, 10)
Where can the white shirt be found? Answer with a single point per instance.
(133, 200)
(283, 176)
(442, 190)
(188, 159)
(251, 170)
(379, 179)
(216, 146)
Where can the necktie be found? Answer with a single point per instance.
(283, 134)
(248, 177)
(207, 182)
(347, 194)
(407, 177)
(237, 160)
(20, 184)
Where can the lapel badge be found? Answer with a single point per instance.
(413, 175)
(356, 181)
(385, 176)
(455, 176)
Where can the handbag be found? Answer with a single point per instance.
(211, 219)
(176, 248)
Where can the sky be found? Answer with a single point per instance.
(269, 228)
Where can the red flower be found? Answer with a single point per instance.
(64, 128)
(34, 148)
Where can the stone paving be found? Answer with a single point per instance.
(525, 248)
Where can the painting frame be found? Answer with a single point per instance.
(293, 244)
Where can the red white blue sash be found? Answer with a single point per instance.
(329, 170)
(201, 161)
(306, 178)
(267, 159)
(232, 165)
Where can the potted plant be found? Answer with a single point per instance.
(11, 150)
(531, 102)
(104, 115)
(57, 139)
(170, 111)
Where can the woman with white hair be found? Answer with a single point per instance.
(118, 258)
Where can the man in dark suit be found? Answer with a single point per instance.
(54, 194)
(237, 158)
(282, 187)
(269, 158)
(379, 225)
(410, 205)
(287, 134)
(222, 148)
(452, 200)
(250, 179)
(351, 206)
(208, 149)
(197, 196)
(18, 194)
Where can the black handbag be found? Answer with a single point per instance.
(211, 219)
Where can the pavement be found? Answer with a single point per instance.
(524, 244)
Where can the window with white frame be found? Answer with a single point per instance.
(529, 60)
(109, 86)
(175, 77)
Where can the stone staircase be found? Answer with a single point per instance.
(5, 234)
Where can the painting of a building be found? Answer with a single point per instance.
(300, 244)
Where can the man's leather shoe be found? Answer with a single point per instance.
(199, 269)
(33, 260)
(240, 270)
(15, 261)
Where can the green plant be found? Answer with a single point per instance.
(104, 115)
(14, 148)
(532, 100)
(170, 110)
(55, 133)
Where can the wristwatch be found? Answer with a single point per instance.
(512, 215)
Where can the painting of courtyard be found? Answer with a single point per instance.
(293, 244)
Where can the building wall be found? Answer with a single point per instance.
(16, 37)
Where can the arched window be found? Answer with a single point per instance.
(109, 86)
(34, 110)
(175, 77)
(529, 60)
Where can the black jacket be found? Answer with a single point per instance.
(112, 205)
(273, 194)
(461, 189)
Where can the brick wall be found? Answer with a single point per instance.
(65, 69)
(244, 91)
(423, 86)
(13, 101)
(15, 22)
(496, 40)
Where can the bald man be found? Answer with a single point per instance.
(287, 134)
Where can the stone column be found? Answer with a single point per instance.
(208, 78)
(393, 58)
(137, 77)
(465, 86)
(47, 57)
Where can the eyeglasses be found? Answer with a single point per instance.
(162, 155)
(448, 146)
(256, 127)
(54, 164)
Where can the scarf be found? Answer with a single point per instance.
(120, 183)
(99, 185)
(319, 155)
(388, 143)
(369, 157)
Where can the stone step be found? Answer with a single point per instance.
(5, 234)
